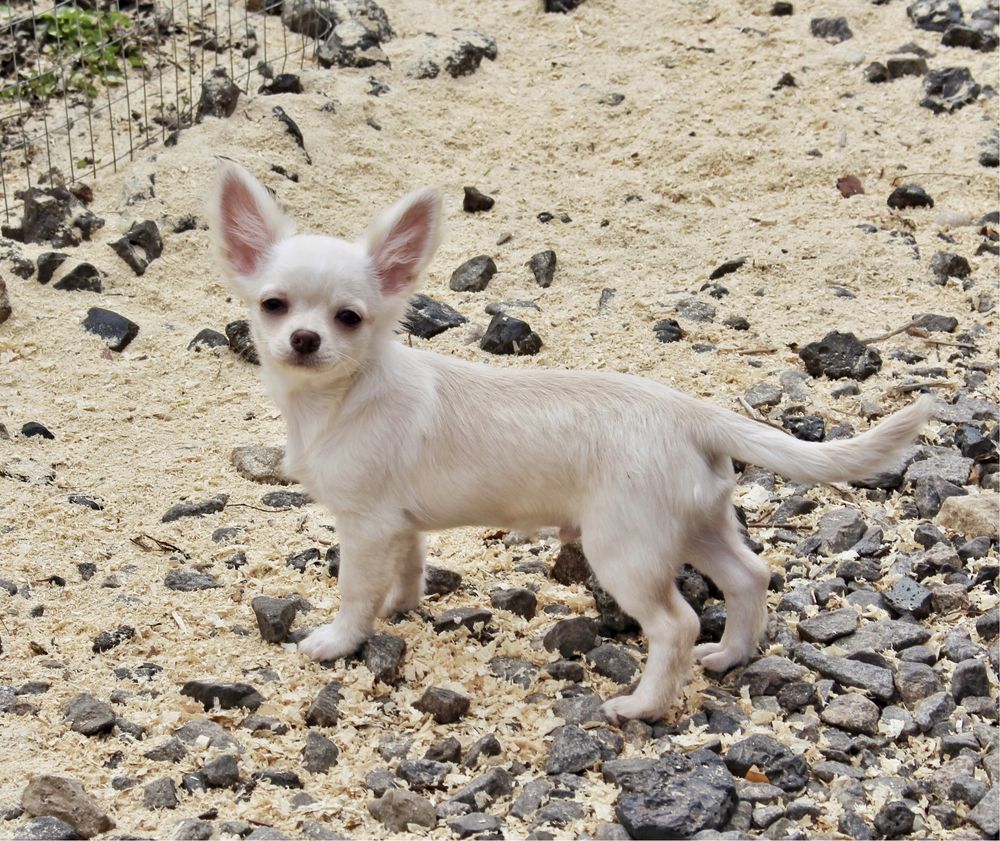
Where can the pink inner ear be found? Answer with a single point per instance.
(244, 230)
(397, 258)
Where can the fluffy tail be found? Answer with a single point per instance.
(861, 457)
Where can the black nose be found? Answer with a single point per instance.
(305, 341)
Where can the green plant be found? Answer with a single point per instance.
(91, 47)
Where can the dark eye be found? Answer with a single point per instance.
(349, 318)
(273, 305)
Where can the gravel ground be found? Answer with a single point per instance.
(699, 193)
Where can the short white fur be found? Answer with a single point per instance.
(397, 441)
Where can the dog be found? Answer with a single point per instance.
(397, 441)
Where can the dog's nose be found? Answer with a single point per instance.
(305, 341)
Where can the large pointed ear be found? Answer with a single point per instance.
(403, 240)
(244, 219)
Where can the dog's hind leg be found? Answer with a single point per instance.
(743, 578)
(631, 567)
(407, 588)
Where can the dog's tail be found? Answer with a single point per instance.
(862, 457)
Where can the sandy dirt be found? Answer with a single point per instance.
(702, 161)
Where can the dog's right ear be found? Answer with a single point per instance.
(245, 221)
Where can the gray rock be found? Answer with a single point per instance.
(613, 661)
(933, 710)
(530, 798)
(383, 656)
(227, 696)
(787, 770)
(573, 750)
(274, 617)
(952, 468)
(944, 265)
(485, 789)
(506, 336)
(426, 317)
(678, 796)
(473, 618)
(160, 794)
(571, 566)
(207, 339)
(517, 600)
(579, 709)
(285, 499)
(473, 275)
(64, 798)
(444, 705)
(833, 30)
(192, 829)
(907, 596)
(324, 710)
(217, 737)
(487, 745)
(839, 356)
(476, 201)
(852, 712)
(829, 625)
(934, 15)
(319, 754)
(520, 672)
(694, 310)
(115, 330)
(768, 675)
(883, 635)
(221, 772)
(46, 827)
(260, 464)
(5, 308)
(351, 44)
(986, 814)
(89, 716)
(949, 89)
(139, 246)
(475, 823)
(219, 96)
(196, 509)
(916, 681)
(172, 750)
(571, 637)
(667, 330)
(840, 529)
(439, 581)
(458, 53)
(970, 678)
(763, 394)
(398, 808)
(543, 267)
(423, 774)
(874, 679)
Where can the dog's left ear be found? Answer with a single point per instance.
(403, 240)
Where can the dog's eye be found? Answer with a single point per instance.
(349, 318)
(273, 305)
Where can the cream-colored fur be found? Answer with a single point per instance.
(397, 441)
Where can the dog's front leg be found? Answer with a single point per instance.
(369, 558)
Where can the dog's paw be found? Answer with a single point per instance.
(715, 658)
(328, 642)
(626, 707)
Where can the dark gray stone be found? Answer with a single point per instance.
(139, 246)
(473, 618)
(383, 656)
(840, 529)
(573, 750)
(874, 679)
(970, 677)
(907, 596)
(694, 310)
(900, 66)
(475, 823)
(506, 336)
(543, 267)
(916, 681)
(89, 716)
(439, 581)
(46, 828)
(834, 30)
(485, 789)
(785, 769)
(187, 581)
(324, 710)
(219, 96)
(473, 275)
(828, 626)
(423, 774)
(274, 617)
(445, 705)
(475, 201)
(398, 808)
(200, 508)
(986, 814)
(668, 330)
(517, 600)
(160, 794)
(351, 44)
(909, 195)
(934, 15)
(839, 356)
(885, 634)
(319, 754)
(116, 330)
(228, 696)
(853, 713)
(949, 89)
(571, 566)
(520, 672)
(426, 317)
(677, 797)
(221, 772)
(933, 710)
(613, 661)
(571, 637)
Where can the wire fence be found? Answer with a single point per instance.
(86, 84)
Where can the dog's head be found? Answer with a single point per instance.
(319, 306)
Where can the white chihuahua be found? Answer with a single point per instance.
(397, 441)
